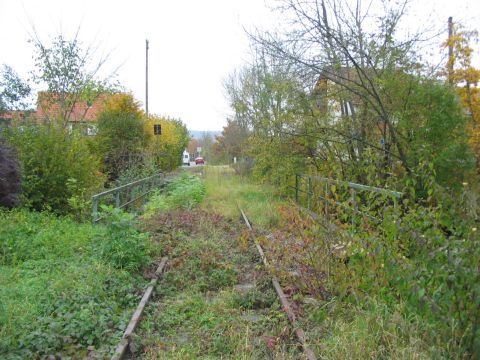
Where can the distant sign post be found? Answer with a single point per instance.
(157, 131)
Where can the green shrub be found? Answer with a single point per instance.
(59, 173)
(254, 299)
(156, 203)
(423, 254)
(121, 138)
(58, 295)
(10, 178)
(31, 236)
(125, 247)
(135, 170)
(184, 192)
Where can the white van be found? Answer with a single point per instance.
(186, 158)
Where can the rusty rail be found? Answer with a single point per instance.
(283, 299)
(132, 325)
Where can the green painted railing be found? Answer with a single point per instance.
(127, 196)
(317, 188)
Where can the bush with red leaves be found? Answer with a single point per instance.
(9, 177)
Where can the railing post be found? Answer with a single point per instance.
(309, 192)
(117, 199)
(353, 193)
(143, 189)
(132, 197)
(94, 209)
(326, 200)
(296, 188)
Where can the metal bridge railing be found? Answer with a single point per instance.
(313, 192)
(128, 195)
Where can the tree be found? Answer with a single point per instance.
(232, 141)
(274, 111)
(70, 74)
(338, 86)
(466, 79)
(167, 148)
(330, 41)
(192, 147)
(206, 142)
(13, 90)
(121, 137)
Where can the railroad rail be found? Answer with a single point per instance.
(283, 298)
(124, 344)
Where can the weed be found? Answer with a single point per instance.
(58, 294)
(186, 191)
(125, 247)
(254, 299)
(183, 193)
(224, 192)
(199, 310)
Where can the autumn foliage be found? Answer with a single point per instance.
(466, 79)
(121, 135)
(166, 148)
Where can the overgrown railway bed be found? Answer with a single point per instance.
(215, 299)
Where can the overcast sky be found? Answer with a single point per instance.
(194, 44)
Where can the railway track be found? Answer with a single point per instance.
(283, 298)
(124, 350)
(124, 344)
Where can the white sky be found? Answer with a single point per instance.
(194, 44)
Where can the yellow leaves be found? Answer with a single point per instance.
(461, 59)
(167, 148)
(122, 103)
(470, 75)
(466, 78)
(170, 134)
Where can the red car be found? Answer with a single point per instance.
(199, 161)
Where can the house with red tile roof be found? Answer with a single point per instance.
(50, 106)
(74, 111)
(9, 116)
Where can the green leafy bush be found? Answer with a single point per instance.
(156, 203)
(58, 170)
(125, 247)
(135, 170)
(121, 138)
(10, 186)
(184, 192)
(58, 293)
(422, 253)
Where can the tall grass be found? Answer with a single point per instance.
(225, 190)
(184, 192)
(342, 318)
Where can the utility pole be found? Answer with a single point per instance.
(146, 77)
(450, 50)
